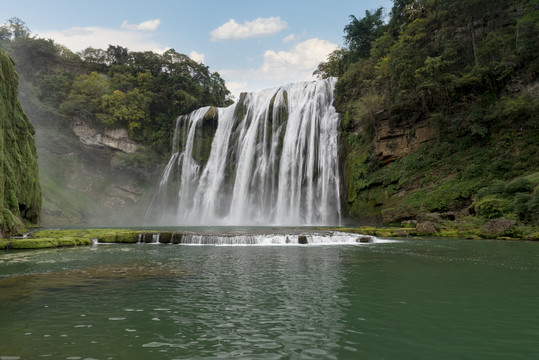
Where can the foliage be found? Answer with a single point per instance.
(20, 192)
(143, 92)
(361, 33)
(468, 70)
(517, 199)
(492, 207)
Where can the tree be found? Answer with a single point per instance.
(335, 65)
(85, 98)
(360, 34)
(117, 55)
(17, 28)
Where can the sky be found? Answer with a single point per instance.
(252, 44)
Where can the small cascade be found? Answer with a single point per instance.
(155, 238)
(334, 238)
(271, 158)
(139, 239)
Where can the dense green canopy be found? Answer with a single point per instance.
(141, 91)
(467, 69)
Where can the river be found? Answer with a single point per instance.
(406, 299)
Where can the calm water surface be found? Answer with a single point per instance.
(412, 299)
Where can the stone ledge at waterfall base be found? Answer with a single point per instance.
(76, 237)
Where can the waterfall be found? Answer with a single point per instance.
(269, 159)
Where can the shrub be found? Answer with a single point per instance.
(498, 186)
(492, 207)
(520, 185)
(472, 171)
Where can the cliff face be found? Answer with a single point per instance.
(20, 192)
(113, 138)
(436, 118)
(392, 142)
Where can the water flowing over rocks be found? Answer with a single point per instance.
(261, 239)
(271, 158)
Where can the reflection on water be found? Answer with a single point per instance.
(401, 300)
(187, 301)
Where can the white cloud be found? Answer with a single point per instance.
(289, 38)
(280, 67)
(259, 27)
(236, 87)
(150, 25)
(197, 56)
(79, 38)
(299, 63)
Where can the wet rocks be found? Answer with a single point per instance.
(302, 239)
(365, 239)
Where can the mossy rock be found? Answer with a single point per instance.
(20, 244)
(177, 238)
(532, 237)
(165, 237)
(127, 237)
(20, 192)
(103, 235)
(73, 241)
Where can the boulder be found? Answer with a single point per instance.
(432, 217)
(426, 228)
(364, 239)
(499, 227)
(177, 238)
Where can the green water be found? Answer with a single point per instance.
(414, 299)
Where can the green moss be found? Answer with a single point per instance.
(29, 243)
(127, 237)
(20, 193)
(73, 241)
(42, 243)
(103, 235)
(383, 232)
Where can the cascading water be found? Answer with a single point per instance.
(269, 159)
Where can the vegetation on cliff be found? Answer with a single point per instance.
(142, 92)
(20, 193)
(467, 72)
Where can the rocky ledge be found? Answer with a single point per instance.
(113, 138)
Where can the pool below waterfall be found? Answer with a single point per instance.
(405, 299)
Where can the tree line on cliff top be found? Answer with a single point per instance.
(143, 92)
(466, 64)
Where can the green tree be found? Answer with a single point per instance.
(85, 98)
(359, 34)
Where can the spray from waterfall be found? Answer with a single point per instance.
(269, 159)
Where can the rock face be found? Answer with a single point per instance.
(375, 202)
(499, 227)
(113, 138)
(393, 142)
(20, 192)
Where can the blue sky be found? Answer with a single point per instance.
(252, 44)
